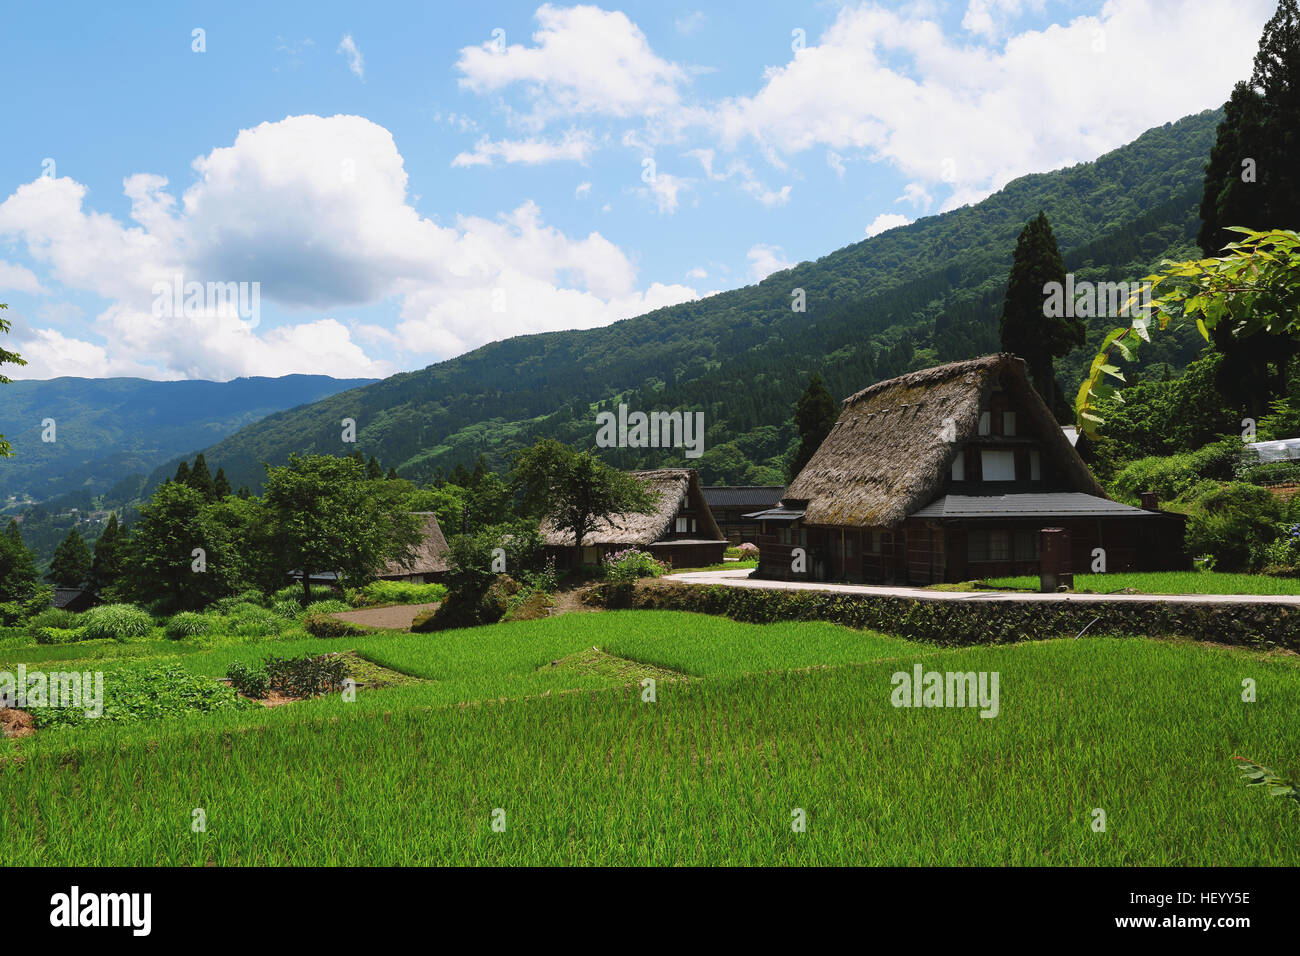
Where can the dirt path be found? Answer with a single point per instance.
(399, 616)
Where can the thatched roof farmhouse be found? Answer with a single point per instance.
(428, 560)
(680, 531)
(949, 474)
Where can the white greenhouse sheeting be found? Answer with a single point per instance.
(1286, 449)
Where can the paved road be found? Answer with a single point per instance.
(740, 579)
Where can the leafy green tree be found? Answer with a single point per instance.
(575, 489)
(221, 484)
(327, 517)
(814, 417)
(1255, 286)
(7, 358)
(489, 501)
(70, 566)
(1025, 328)
(110, 556)
(1253, 180)
(162, 564)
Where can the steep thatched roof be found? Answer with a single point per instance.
(888, 456)
(429, 556)
(676, 487)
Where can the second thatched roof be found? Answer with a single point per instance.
(889, 452)
(428, 556)
(676, 487)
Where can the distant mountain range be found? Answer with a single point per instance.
(911, 297)
(110, 434)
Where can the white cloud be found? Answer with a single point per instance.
(575, 146)
(697, 273)
(583, 60)
(316, 210)
(663, 189)
(885, 221)
(916, 194)
(356, 62)
(836, 162)
(689, 23)
(582, 191)
(744, 175)
(894, 85)
(764, 260)
(987, 17)
(16, 278)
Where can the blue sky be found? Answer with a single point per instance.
(406, 181)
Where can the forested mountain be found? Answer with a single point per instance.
(914, 296)
(109, 434)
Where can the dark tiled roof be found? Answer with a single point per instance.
(1063, 504)
(741, 496)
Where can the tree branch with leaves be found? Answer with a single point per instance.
(7, 358)
(1254, 287)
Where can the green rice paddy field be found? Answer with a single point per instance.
(1165, 582)
(545, 722)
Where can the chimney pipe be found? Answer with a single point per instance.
(1150, 501)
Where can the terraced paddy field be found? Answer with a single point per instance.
(536, 743)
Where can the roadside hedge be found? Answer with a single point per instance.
(982, 621)
(322, 625)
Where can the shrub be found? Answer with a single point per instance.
(286, 609)
(55, 635)
(630, 564)
(397, 592)
(306, 676)
(544, 579)
(249, 681)
(327, 607)
(261, 623)
(322, 625)
(187, 624)
(292, 592)
(116, 622)
(470, 610)
(1234, 522)
(54, 617)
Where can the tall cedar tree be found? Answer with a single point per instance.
(70, 566)
(221, 484)
(110, 554)
(373, 470)
(201, 479)
(1024, 329)
(1261, 127)
(19, 579)
(814, 416)
(182, 473)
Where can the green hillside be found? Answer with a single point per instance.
(911, 297)
(108, 430)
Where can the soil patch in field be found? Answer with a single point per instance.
(575, 599)
(16, 723)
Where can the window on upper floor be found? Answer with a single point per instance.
(1008, 423)
(984, 423)
(998, 465)
(1035, 466)
(959, 467)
